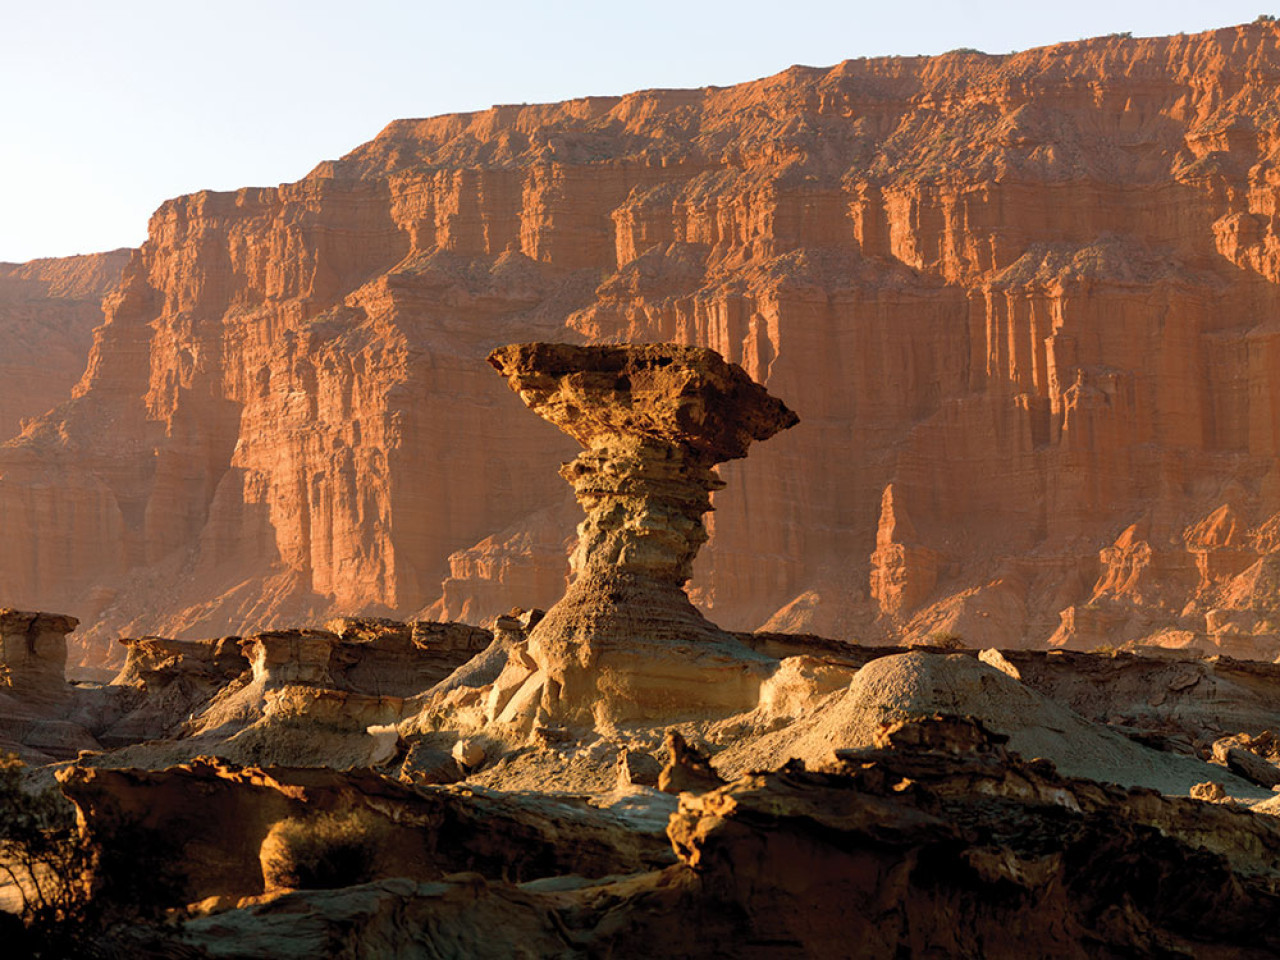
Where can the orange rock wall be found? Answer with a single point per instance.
(48, 309)
(1037, 294)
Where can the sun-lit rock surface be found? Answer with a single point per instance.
(1030, 293)
(1021, 304)
(625, 641)
(48, 309)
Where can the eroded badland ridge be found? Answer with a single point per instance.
(1024, 306)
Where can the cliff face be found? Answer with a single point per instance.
(48, 309)
(1025, 307)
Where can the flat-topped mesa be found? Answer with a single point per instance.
(33, 649)
(654, 419)
(625, 642)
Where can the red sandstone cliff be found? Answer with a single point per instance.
(48, 309)
(1026, 307)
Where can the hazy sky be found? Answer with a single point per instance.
(112, 106)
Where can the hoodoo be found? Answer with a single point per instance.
(625, 641)
(33, 649)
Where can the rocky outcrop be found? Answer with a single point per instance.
(400, 659)
(937, 842)
(1213, 587)
(369, 656)
(1031, 293)
(1171, 700)
(33, 650)
(300, 696)
(625, 641)
(288, 696)
(163, 685)
(903, 574)
(1250, 757)
(939, 849)
(903, 686)
(213, 830)
(38, 708)
(687, 768)
(152, 660)
(48, 309)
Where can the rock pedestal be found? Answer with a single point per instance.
(33, 649)
(654, 419)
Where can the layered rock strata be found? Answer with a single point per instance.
(363, 655)
(303, 696)
(1024, 302)
(48, 309)
(39, 710)
(625, 641)
(159, 660)
(33, 650)
(309, 695)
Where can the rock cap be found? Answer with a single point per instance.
(672, 393)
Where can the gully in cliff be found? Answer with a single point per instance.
(625, 642)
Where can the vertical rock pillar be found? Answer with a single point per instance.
(33, 650)
(625, 642)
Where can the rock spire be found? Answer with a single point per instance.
(654, 419)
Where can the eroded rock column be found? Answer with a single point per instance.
(654, 419)
(33, 650)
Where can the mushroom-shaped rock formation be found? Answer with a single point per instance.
(625, 642)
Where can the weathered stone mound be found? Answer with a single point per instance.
(920, 684)
(625, 641)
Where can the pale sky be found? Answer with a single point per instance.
(112, 106)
